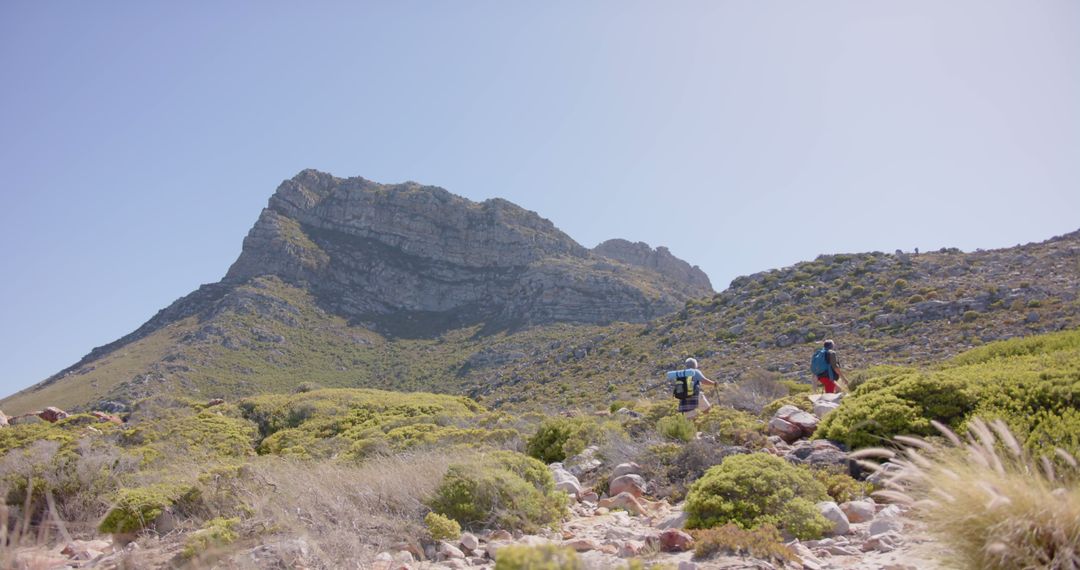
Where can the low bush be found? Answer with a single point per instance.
(757, 489)
(214, 534)
(137, 508)
(559, 438)
(841, 486)
(676, 427)
(547, 557)
(442, 528)
(763, 542)
(1030, 383)
(687, 464)
(732, 427)
(753, 392)
(507, 491)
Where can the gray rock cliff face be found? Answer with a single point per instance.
(659, 259)
(414, 259)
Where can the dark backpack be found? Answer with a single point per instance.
(819, 364)
(684, 383)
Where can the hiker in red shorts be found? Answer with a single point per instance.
(826, 366)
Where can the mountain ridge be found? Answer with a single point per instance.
(412, 261)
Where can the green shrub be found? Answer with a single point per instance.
(137, 508)
(732, 427)
(546, 557)
(559, 438)
(1031, 383)
(757, 489)
(442, 528)
(763, 542)
(841, 486)
(215, 533)
(676, 427)
(495, 491)
(970, 316)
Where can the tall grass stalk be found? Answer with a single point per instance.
(987, 499)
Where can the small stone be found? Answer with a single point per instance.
(501, 535)
(675, 540)
(631, 548)
(688, 565)
(582, 544)
(885, 525)
(633, 484)
(626, 469)
(786, 430)
(858, 511)
(623, 501)
(447, 550)
(469, 541)
(831, 511)
(677, 521)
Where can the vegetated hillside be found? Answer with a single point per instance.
(391, 471)
(349, 282)
(879, 308)
(267, 335)
(1031, 383)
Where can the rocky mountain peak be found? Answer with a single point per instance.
(660, 259)
(375, 252)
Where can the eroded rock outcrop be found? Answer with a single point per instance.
(409, 258)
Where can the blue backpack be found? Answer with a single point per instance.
(819, 364)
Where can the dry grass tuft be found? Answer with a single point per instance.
(348, 512)
(997, 507)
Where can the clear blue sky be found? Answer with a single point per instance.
(139, 140)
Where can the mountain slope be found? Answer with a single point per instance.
(340, 280)
(879, 308)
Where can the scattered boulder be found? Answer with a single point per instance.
(831, 511)
(52, 415)
(86, 549)
(624, 501)
(292, 553)
(469, 542)
(887, 520)
(676, 521)
(3, 419)
(107, 418)
(885, 470)
(448, 551)
(626, 469)
(215, 402)
(885, 542)
(582, 544)
(787, 431)
(631, 549)
(675, 540)
(501, 535)
(822, 408)
(583, 463)
(565, 481)
(806, 421)
(858, 511)
(818, 453)
(633, 484)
